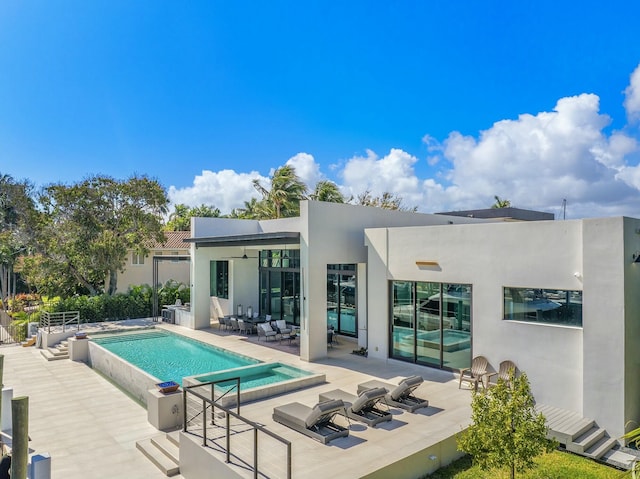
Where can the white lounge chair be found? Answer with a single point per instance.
(265, 331)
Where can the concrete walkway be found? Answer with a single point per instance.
(87, 425)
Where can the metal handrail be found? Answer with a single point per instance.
(212, 402)
(63, 319)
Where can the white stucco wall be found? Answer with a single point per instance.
(592, 370)
(489, 257)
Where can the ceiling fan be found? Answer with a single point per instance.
(244, 255)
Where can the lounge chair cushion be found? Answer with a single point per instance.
(322, 409)
(294, 412)
(405, 387)
(367, 398)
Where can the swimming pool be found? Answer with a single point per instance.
(170, 357)
(137, 361)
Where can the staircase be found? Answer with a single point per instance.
(59, 351)
(164, 451)
(583, 436)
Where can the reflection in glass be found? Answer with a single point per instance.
(543, 305)
(402, 326)
(342, 298)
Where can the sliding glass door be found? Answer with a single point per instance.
(431, 323)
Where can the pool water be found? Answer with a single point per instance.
(170, 357)
(255, 376)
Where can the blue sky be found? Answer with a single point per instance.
(443, 103)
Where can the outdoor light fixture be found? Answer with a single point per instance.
(427, 263)
(433, 457)
(636, 257)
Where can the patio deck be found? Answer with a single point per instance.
(86, 423)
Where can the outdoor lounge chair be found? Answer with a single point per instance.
(234, 324)
(282, 327)
(363, 407)
(504, 373)
(401, 395)
(476, 373)
(315, 422)
(265, 331)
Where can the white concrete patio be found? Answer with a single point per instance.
(90, 427)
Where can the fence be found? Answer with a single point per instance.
(244, 443)
(10, 332)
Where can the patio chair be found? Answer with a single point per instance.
(227, 323)
(245, 327)
(504, 373)
(315, 422)
(400, 395)
(265, 331)
(221, 324)
(282, 328)
(234, 324)
(476, 373)
(363, 407)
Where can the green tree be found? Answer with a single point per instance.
(282, 199)
(16, 207)
(326, 190)
(180, 219)
(87, 229)
(500, 203)
(506, 431)
(387, 201)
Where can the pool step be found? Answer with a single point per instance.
(163, 450)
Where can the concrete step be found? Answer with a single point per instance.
(569, 431)
(158, 457)
(174, 437)
(49, 356)
(587, 440)
(601, 447)
(171, 450)
(57, 351)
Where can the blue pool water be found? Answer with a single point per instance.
(256, 376)
(170, 357)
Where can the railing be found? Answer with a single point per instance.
(9, 331)
(240, 429)
(64, 319)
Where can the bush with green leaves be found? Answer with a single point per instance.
(506, 430)
(135, 303)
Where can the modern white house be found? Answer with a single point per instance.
(558, 298)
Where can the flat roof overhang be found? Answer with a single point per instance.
(256, 239)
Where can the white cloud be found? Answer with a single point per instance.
(535, 161)
(224, 189)
(632, 96)
(306, 168)
(393, 173)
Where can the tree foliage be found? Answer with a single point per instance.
(387, 201)
(282, 199)
(328, 191)
(501, 203)
(506, 431)
(87, 229)
(180, 219)
(16, 207)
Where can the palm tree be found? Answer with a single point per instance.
(285, 193)
(500, 203)
(328, 191)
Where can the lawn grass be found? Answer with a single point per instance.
(556, 465)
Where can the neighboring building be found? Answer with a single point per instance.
(503, 214)
(139, 269)
(559, 298)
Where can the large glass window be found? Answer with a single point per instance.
(551, 306)
(342, 298)
(280, 284)
(431, 323)
(219, 279)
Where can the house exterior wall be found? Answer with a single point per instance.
(334, 234)
(591, 370)
(136, 274)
